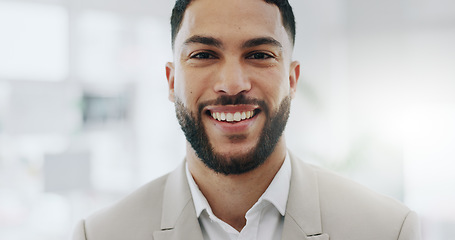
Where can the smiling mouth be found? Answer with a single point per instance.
(233, 117)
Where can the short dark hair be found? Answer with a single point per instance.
(287, 16)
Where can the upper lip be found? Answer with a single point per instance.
(232, 108)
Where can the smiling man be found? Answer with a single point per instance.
(232, 82)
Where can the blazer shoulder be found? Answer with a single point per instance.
(349, 207)
(333, 186)
(138, 214)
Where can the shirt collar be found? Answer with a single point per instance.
(276, 193)
(200, 202)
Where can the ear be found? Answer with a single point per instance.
(294, 74)
(170, 73)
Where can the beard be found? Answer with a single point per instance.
(196, 134)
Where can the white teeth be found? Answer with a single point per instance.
(237, 117)
(229, 117)
(232, 117)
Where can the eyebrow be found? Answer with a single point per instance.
(211, 41)
(261, 41)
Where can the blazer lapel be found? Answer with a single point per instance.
(178, 220)
(303, 213)
(302, 219)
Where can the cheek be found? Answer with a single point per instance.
(182, 87)
(274, 83)
(189, 86)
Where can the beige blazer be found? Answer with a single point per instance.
(321, 206)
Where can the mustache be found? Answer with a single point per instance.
(239, 99)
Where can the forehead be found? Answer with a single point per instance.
(232, 20)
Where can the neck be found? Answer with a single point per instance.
(231, 196)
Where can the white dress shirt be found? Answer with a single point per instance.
(264, 220)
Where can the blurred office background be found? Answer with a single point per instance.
(84, 115)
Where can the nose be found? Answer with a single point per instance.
(232, 78)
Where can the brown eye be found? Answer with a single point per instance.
(203, 55)
(259, 55)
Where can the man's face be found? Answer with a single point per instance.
(232, 80)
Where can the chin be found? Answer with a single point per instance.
(235, 151)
